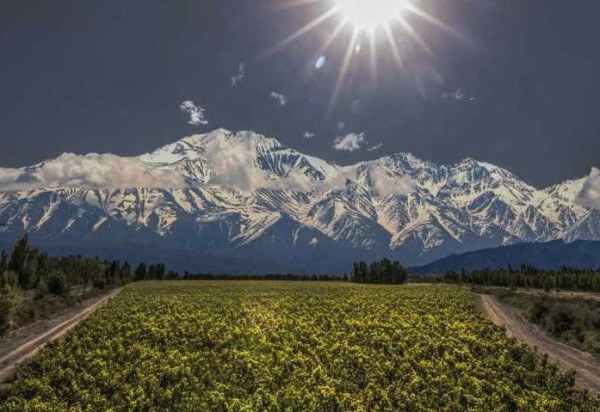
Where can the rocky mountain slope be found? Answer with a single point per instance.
(236, 202)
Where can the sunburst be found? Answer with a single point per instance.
(369, 14)
(368, 19)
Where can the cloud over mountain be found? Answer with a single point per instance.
(196, 112)
(233, 164)
(246, 190)
(232, 168)
(386, 185)
(349, 143)
(590, 193)
(375, 147)
(89, 171)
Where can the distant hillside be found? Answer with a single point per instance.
(549, 255)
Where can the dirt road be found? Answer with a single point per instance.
(586, 367)
(27, 341)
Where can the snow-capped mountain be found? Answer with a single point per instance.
(227, 201)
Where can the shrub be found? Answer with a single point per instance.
(6, 305)
(41, 290)
(8, 281)
(538, 311)
(57, 284)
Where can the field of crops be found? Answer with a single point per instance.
(211, 345)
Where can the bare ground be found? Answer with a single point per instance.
(586, 367)
(25, 342)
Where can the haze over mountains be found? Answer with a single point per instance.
(242, 202)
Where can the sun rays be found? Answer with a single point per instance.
(369, 20)
(368, 15)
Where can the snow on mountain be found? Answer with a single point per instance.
(587, 228)
(244, 160)
(231, 200)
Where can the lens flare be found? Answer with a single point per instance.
(390, 20)
(320, 62)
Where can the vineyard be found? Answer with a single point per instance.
(309, 346)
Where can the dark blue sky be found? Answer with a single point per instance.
(108, 76)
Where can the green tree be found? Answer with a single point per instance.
(19, 258)
(382, 272)
(140, 272)
(3, 261)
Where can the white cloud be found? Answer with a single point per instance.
(386, 185)
(455, 95)
(235, 80)
(458, 95)
(89, 171)
(233, 166)
(590, 192)
(341, 125)
(279, 97)
(375, 147)
(14, 179)
(349, 143)
(339, 181)
(196, 112)
(308, 135)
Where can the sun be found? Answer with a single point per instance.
(370, 20)
(371, 14)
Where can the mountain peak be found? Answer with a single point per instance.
(252, 139)
(238, 185)
(470, 163)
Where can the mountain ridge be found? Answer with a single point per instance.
(226, 193)
(553, 255)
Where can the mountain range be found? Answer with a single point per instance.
(243, 202)
(581, 254)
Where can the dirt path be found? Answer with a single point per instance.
(24, 343)
(586, 367)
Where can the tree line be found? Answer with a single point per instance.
(34, 284)
(26, 268)
(383, 272)
(567, 278)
